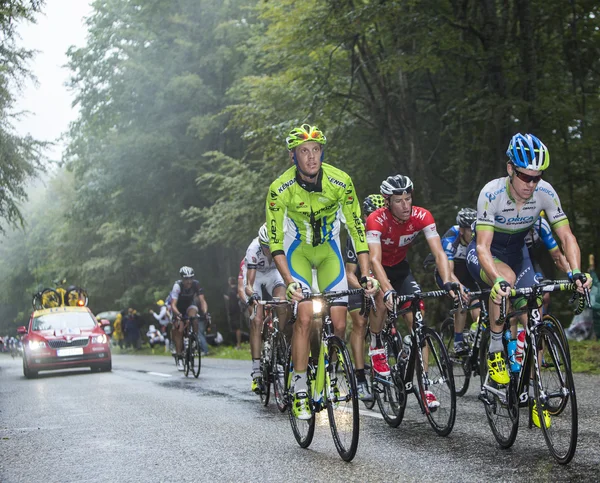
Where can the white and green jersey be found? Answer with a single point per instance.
(497, 212)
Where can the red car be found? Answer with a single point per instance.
(62, 338)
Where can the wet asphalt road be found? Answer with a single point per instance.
(146, 422)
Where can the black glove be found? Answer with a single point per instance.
(253, 298)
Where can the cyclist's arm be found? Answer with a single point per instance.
(560, 260)
(282, 266)
(355, 225)
(378, 270)
(203, 304)
(240, 290)
(570, 245)
(250, 278)
(351, 275)
(441, 260)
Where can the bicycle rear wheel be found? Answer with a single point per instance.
(502, 412)
(303, 430)
(278, 370)
(439, 381)
(196, 356)
(555, 393)
(342, 399)
(390, 394)
(461, 368)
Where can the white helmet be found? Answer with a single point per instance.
(186, 272)
(263, 235)
(396, 185)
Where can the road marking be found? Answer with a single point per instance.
(159, 374)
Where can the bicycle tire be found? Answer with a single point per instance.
(187, 363)
(278, 371)
(503, 417)
(303, 430)
(560, 332)
(461, 368)
(342, 399)
(561, 433)
(264, 389)
(197, 356)
(391, 395)
(440, 382)
(53, 298)
(368, 372)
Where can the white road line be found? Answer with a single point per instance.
(159, 374)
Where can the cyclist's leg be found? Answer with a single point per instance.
(357, 337)
(275, 286)
(177, 334)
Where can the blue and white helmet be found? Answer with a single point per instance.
(528, 152)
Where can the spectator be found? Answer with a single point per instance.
(234, 312)
(118, 330)
(131, 329)
(164, 319)
(154, 336)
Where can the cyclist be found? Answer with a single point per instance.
(455, 242)
(261, 272)
(186, 294)
(305, 208)
(390, 232)
(497, 256)
(359, 322)
(540, 242)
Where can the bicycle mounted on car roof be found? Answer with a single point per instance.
(50, 298)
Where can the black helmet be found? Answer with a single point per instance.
(186, 272)
(466, 217)
(372, 203)
(396, 185)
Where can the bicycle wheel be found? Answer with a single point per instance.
(439, 381)
(501, 410)
(390, 394)
(278, 370)
(196, 356)
(560, 332)
(187, 363)
(555, 393)
(342, 399)
(461, 368)
(303, 430)
(368, 371)
(265, 368)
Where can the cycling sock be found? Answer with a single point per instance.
(255, 365)
(458, 337)
(496, 342)
(360, 375)
(376, 340)
(299, 382)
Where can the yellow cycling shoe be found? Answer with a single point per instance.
(255, 385)
(535, 417)
(497, 368)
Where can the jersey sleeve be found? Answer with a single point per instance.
(449, 242)
(485, 211)
(175, 291)
(354, 224)
(428, 224)
(375, 227)
(551, 205)
(275, 209)
(545, 233)
(251, 259)
(350, 253)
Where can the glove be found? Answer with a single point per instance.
(365, 280)
(291, 289)
(254, 298)
(451, 287)
(499, 284)
(578, 275)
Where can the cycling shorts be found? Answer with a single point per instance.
(519, 263)
(325, 258)
(402, 279)
(355, 302)
(268, 281)
(462, 273)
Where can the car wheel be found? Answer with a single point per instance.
(106, 367)
(28, 373)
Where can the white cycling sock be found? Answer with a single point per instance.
(255, 365)
(299, 382)
(496, 343)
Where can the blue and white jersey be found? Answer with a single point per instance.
(452, 245)
(497, 212)
(541, 231)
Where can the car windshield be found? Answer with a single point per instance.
(64, 320)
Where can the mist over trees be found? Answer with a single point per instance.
(184, 108)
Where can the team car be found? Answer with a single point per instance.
(62, 334)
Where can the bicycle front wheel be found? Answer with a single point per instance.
(437, 380)
(460, 363)
(501, 405)
(368, 371)
(555, 396)
(303, 430)
(560, 333)
(196, 356)
(278, 370)
(390, 392)
(188, 361)
(342, 399)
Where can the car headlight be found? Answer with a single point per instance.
(36, 345)
(99, 339)
(317, 306)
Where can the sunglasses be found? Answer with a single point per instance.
(527, 178)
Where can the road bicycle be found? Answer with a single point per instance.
(331, 383)
(547, 366)
(273, 354)
(432, 368)
(192, 358)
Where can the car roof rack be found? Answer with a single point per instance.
(50, 298)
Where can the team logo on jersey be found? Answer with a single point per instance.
(499, 219)
(419, 214)
(273, 195)
(407, 239)
(411, 227)
(387, 241)
(285, 185)
(337, 182)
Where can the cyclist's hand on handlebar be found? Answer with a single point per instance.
(388, 299)
(452, 289)
(501, 288)
(294, 292)
(370, 284)
(582, 280)
(253, 299)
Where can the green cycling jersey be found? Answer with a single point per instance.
(312, 213)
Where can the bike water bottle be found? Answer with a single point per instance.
(520, 347)
(511, 346)
(406, 344)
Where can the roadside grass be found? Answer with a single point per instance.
(585, 355)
